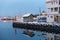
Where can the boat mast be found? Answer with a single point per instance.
(39, 11)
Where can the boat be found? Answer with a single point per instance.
(7, 19)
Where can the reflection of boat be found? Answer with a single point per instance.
(31, 34)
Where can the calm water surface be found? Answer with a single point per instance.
(7, 32)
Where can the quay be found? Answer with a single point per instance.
(36, 26)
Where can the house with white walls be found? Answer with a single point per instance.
(45, 17)
(18, 19)
(53, 8)
(28, 17)
(52, 13)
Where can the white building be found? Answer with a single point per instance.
(18, 19)
(53, 8)
(52, 13)
(45, 17)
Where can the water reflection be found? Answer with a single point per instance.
(7, 32)
(37, 36)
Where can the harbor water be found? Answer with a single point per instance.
(7, 32)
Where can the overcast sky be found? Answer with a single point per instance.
(19, 7)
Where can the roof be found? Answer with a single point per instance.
(26, 15)
(35, 15)
(48, 0)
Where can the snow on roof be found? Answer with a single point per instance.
(26, 15)
(48, 0)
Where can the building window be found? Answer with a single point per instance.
(51, 9)
(56, 18)
(48, 16)
(56, 9)
(59, 9)
(51, 16)
(48, 8)
(59, 2)
(52, 3)
(43, 19)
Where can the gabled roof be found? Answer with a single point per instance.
(26, 15)
(35, 15)
(48, 0)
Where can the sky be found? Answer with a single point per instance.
(20, 7)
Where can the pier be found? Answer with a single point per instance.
(37, 26)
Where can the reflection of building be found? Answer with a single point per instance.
(57, 37)
(50, 36)
(28, 18)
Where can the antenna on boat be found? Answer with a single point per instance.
(39, 11)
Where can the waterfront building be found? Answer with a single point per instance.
(52, 13)
(53, 8)
(45, 17)
(35, 17)
(28, 17)
(18, 18)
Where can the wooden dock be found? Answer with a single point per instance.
(39, 27)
